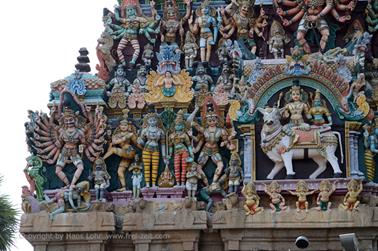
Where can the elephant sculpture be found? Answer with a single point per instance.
(281, 147)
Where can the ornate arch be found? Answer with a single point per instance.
(322, 77)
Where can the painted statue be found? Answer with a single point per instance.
(151, 138)
(192, 178)
(132, 22)
(326, 190)
(117, 89)
(277, 40)
(124, 140)
(190, 50)
(311, 14)
(202, 25)
(136, 169)
(279, 146)
(172, 23)
(302, 191)
(319, 110)
(202, 80)
(351, 201)
(33, 175)
(252, 200)
(243, 21)
(104, 54)
(148, 54)
(212, 134)
(353, 35)
(101, 179)
(371, 148)
(234, 173)
(180, 147)
(277, 201)
(69, 132)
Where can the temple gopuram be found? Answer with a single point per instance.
(211, 125)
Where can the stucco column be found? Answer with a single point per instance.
(248, 152)
(355, 171)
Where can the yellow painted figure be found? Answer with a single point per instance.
(123, 139)
(301, 192)
(350, 200)
(252, 200)
(151, 136)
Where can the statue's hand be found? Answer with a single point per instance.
(285, 22)
(280, 12)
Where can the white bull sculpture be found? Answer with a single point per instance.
(280, 147)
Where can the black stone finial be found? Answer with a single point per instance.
(83, 59)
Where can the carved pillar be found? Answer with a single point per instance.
(141, 244)
(231, 239)
(351, 148)
(248, 132)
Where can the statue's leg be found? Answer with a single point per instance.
(97, 192)
(121, 46)
(176, 163)
(301, 37)
(121, 173)
(208, 49)
(184, 165)
(322, 165)
(136, 47)
(79, 169)
(323, 41)
(203, 49)
(217, 159)
(277, 167)
(146, 157)
(333, 160)
(59, 172)
(155, 167)
(288, 161)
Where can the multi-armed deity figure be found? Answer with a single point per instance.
(204, 21)
(123, 139)
(242, 21)
(311, 14)
(181, 148)
(211, 134)
(171, 22)
(65, 142)
(130, 26)
(150, 138)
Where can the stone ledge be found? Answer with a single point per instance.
(337, 218)
(67, 222)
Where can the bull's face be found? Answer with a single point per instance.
(271, 115)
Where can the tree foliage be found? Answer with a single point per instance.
(8, 222)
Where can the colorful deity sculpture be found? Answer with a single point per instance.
(242, 22)
(147, 55)
(172, 23)
(130, 26)
(136, 169)
(302, 192)
(371, 148)
(33, 175)
(192, 177)
(204, 21)
(319, 110)
(252, 200)
(296, 108)
(190, 50)
(353, 35)
(326, 190)
(101, 179)
(151, 138)
(234, 173)
(211, 135)
(202, 80)
(124, 139)
(63, 137)
(351, 201)
(277, 201)
(311, 14)
(106, 61)
(181, 148)
(372, 16)
(277, 40)
(117, 88)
